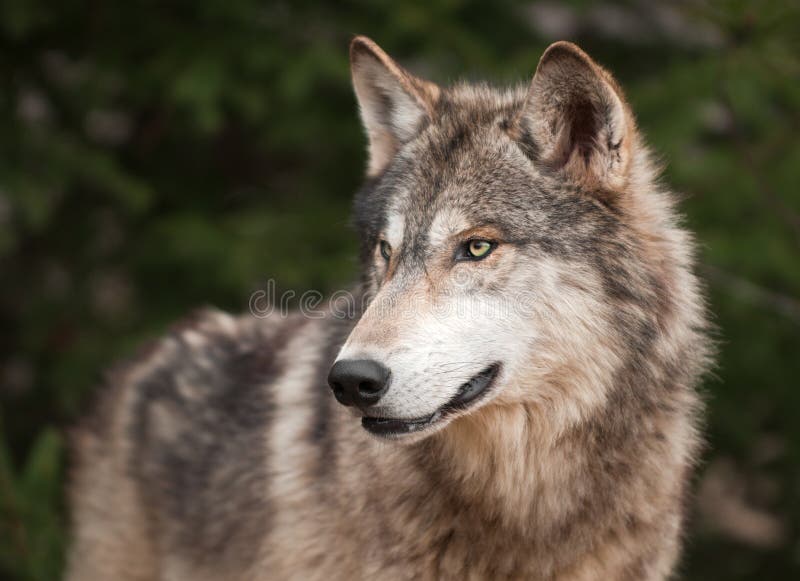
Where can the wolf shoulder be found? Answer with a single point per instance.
(208, 379)
(197, 360)
(180, 429)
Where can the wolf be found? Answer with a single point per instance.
(516, 397)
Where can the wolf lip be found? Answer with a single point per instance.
(467, 394)
(474, 388)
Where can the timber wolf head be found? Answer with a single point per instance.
(506, 244)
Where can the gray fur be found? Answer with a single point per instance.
(220, 453)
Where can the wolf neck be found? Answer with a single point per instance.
(514, 467)
(493, 461)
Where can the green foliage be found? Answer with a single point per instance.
(30, 511)
(155, 156)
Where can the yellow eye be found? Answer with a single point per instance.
(386, 250)
(479, 248)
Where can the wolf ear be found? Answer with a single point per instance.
(577, 119)
(394, 104)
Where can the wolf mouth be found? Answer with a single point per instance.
(468, 394)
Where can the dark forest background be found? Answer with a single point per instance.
(160, 155)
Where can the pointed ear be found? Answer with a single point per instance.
(394, 104)
(577, 119)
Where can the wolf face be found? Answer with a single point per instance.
(499, 244)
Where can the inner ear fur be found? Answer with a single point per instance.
(394, 104)
(577, 119)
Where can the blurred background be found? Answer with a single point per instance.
(160, 155)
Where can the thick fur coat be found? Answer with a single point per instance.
(539, 415)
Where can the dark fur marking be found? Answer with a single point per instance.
(583, 129)
(320, 433)
(217, 403)
(528, 144)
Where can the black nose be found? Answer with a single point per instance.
(359, 382)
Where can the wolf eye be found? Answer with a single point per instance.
(477, 249)
(386, 250)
